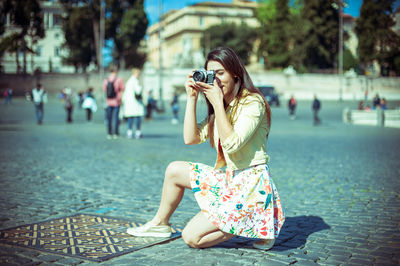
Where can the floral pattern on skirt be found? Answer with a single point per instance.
(240, 202)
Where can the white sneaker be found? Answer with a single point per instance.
(138, 134)
(264, 244)
(149, 230)
(109, 137)
(129, 133)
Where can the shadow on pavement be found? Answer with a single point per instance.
(294, 234)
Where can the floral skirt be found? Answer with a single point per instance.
(240, 202)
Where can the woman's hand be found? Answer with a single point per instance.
(213, 93)
(192, 90)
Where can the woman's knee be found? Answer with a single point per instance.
(172, 169)
(190, 240)
(178, 173)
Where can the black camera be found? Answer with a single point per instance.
(204, 76)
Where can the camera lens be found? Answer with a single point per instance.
(198, 76)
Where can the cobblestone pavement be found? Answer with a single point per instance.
(339, 185)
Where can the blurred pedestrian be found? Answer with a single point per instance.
(113, 87)
(39, 98)
(316, 106)
(132, 101)
(151, 105)
(376, 101)
(175, 108)
(383, 104)
(292, 107)
(240, 199)
(8, 95)
(81, 98)
(89, 104)
(68, 103)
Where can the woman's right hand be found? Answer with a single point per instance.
(191, 88)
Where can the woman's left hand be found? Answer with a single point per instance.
(213, 93)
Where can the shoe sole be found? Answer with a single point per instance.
(144, 234)
(264, 247)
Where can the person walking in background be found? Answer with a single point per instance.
(89, 104)
(376, 101)
(240, 199)
(68, 103)
(175, 108)
(316, 106)
(292, 107)
(132, 104)
(39, 98)
(113, 87)
(151, 104)
(8, 95)
(383, 104)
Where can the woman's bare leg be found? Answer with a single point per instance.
(201, 233)
(177, 178)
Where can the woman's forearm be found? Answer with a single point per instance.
(225, 129)
(190, 131)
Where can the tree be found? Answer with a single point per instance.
(319, 41)
(131, 31)
(275, 17)
(26, 15)
(238, 37)
(349, 61)
(79, 37)
(125, 24)
(376, 39)
(85, 15)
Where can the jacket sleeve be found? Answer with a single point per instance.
(203, 130)
(247, 122)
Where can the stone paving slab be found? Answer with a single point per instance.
(338, 184)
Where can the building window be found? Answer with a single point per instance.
(200, 21)
(57, 51)
(39, 51)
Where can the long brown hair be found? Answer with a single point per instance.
(232, 63)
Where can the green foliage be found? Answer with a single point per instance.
(125, 24)
(349, 61)
(131, 31)
(304, 34)
(79, 37)
(26, 15)
(320, 40)
(238, 37)
(376, 39)
(278, 34)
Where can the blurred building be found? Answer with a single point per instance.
(49, 51)
(183, 29)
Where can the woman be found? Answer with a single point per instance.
(242, 199)
(133, 108)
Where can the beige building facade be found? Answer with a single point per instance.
(182, 30)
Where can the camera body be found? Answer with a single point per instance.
(204, 76)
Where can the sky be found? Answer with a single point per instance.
(152, 6)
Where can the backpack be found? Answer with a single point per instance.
(110, 89)
(68, 101)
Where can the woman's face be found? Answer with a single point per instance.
(227, 81)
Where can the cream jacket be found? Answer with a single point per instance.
(246, 146)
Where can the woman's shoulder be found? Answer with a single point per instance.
(252, 97)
